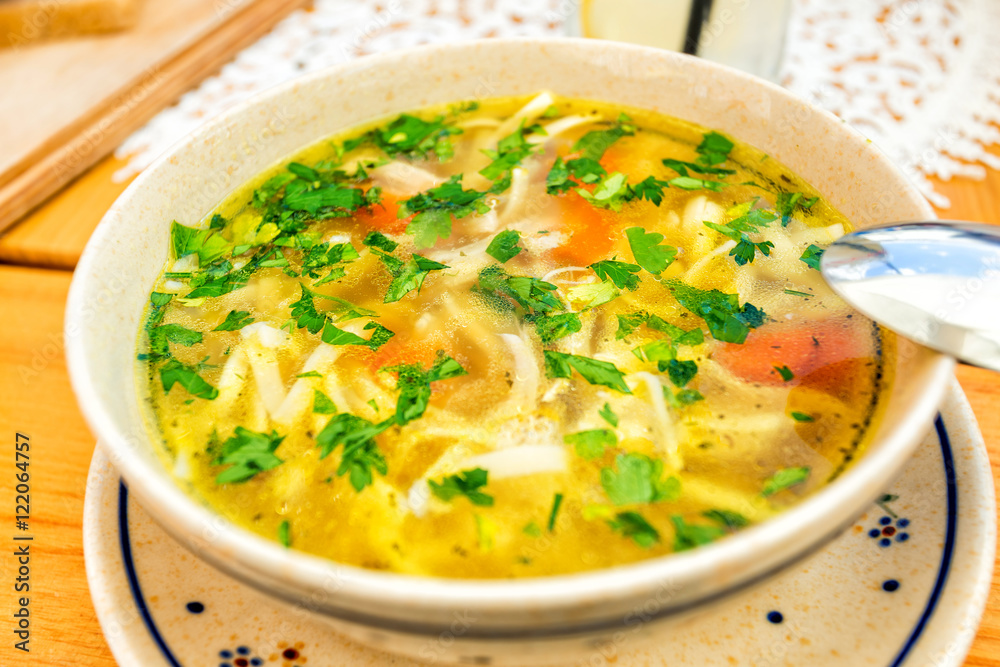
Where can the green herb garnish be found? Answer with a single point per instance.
(247, 453)
(285, 534)
(174, 372)
(727, 320)
(811, 256)
(434, 210)
(785, 372)
(322, 404)
(235, 320)
(554, 512)
(648, 252)
(551, 328)
(622, 274)
(414, 384)
(638, 479)
(632, 524)
(608, 415)
(407, 276)
(466, 483)
(504, 246)
(688, 536)
(360, 453)
(785, 478)
(594, 371)
(590, 445)
(727, 518)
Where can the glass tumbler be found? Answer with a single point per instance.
(746, 34)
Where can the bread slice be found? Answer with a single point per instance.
(26, 21)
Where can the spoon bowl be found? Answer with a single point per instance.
(937, 283)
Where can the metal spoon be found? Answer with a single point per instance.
(937, 283)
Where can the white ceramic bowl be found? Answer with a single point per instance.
(479, 622)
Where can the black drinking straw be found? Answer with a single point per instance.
(700, 12)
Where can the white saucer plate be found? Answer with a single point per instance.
(905, 585)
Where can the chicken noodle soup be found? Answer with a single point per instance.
(511, 338)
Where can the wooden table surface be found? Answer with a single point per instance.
(36, 261)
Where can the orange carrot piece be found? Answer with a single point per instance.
(803, 349)
(382, 217)
(591, 232)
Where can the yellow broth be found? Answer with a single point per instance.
(525, 460)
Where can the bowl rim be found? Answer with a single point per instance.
(173, 508)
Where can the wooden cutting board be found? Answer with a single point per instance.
(66, 104)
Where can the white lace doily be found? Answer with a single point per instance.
(921, 78)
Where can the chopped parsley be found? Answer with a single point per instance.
(611, 192)
(593, 295)
(328, 200)
(608, 415)
(554, 512)
(590, 445)
(379, 240)
(407, 276)
(681, 372)
(565, 176)
(504, 246)
(622, 274)
(551, 328)
(285, 534)
(161, 336)
(637, 478)
(594, 371)
(247, 453)
(683, 398)
(784, 479)
(414, 384)
(326, 255)
(628, 323)
(785, 372)
(683, 168)
(727, 518)
(688, 535)
(304, 312)
(659, 351)
(748, 220)
(727, 320)
(593, 144)
(714, 149)
(531, 294)
(531, 529)
(205, 243)
(467, 483)
(746, 250)
(787, 202)
(322, 404)
(413, 137)
(632, 524)
(335, 336)
(360, 454)
(174, 372)
(235, 320)
(509, 152)
(692, 183)
(802, 417)
(648, 252)
(434, 210)
(650, 189)
(811, 256)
